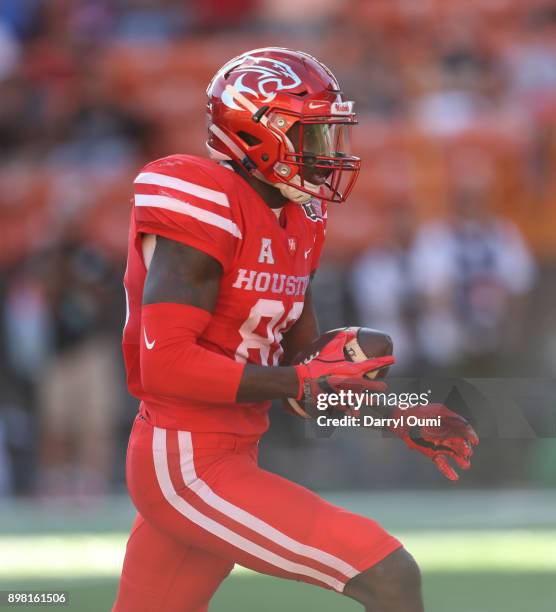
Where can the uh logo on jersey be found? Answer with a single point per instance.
(266, 256)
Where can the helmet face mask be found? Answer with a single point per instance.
(279, 114)
(320, 154)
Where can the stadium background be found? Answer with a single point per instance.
(448, 242)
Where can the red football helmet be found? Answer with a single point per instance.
(280, 115)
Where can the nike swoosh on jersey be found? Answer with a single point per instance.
(148, 344)
(307, 252)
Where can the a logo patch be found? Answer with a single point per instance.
(265, 255)
(314, 105)
(342, 108)
(149, 345)
(262, 80)
(313, 209)
(292, 244)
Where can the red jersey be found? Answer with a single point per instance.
(266, 271)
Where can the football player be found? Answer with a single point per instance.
(221, 255)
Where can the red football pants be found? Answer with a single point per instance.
(204, 505)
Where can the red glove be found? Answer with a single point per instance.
(453, 438)
(328, 371)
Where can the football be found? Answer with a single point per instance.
(368, 343)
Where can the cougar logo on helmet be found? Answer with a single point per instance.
(272, 76)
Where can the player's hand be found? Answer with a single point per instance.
(328, 371)
(453, 439)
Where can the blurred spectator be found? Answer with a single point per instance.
(18, 458)
(9, 52)
(531, 61)
(458, 78)
(27, 323)
(383, 285)
(95, 131)
(471, 273)
(27, 342)
(78, 391)
(153, 20)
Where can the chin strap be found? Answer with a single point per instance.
(288, 191)
(216, 155)
(293, 194)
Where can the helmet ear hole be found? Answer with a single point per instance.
(249, 139)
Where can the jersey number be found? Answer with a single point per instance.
(264, 329)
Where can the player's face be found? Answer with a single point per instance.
(315, 141)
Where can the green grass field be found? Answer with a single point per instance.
(444, 592)
(495, 556)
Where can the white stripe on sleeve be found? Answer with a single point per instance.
(184, 208)
(163, 180)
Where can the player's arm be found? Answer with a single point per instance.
(303, 332)
(180, 292)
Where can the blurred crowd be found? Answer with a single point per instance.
(448, 242)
